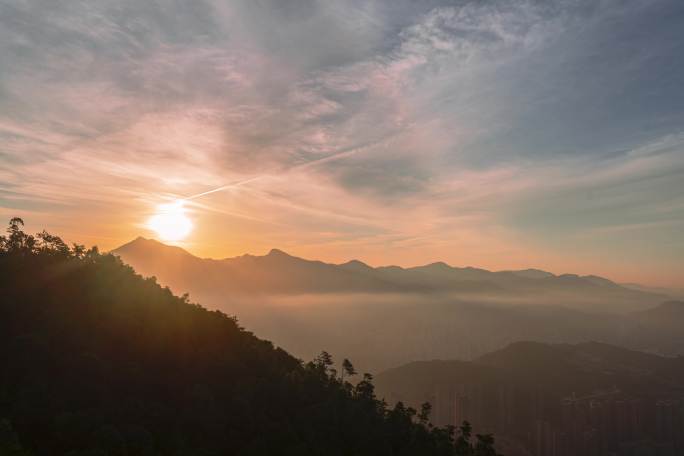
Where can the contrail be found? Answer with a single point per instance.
(223, 187)
(317, 161)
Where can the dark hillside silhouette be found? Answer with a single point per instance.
(97, 360)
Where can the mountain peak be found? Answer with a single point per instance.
(599, 280)
(141, 245)
(438, 265)
(356, 265)
(140, 240)
(278, 253)
(135, 243)
(532, 273)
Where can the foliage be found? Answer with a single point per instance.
(98, 360)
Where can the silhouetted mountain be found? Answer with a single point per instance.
(564, 399)
(560, 368)
(387, 316)
(669, 314)
(356, 265)
(585, 367)
(532, 273)
(661, 329)
(274, 273)
(675, 293)
(97, 360)
(280, 273)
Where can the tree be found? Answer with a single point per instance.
(48, 243)
(485, 445)
(79, 251)
(324, 361)
(17, 241)
(462, 444)
(347, 368)
(365, 389)
(424, 415)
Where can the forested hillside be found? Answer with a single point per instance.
(97, 360)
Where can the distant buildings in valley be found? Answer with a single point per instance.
(606, 422)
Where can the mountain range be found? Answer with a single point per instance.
(387, 316)
(279, 273)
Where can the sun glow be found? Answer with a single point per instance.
(170, 222)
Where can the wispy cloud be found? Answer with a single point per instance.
(499, 134)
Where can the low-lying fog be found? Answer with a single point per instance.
(378, 331)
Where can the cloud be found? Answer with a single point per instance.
(487, 130)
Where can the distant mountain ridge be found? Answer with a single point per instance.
(387, 316)
(662, 327)
(571, 396)
(559, 368)
(281, 273)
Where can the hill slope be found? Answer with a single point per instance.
(97, 360)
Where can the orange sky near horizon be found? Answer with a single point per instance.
(212, 238)
(500, 135)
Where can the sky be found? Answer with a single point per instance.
(497, 134)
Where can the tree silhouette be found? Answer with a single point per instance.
(17, 242)
(424, 415)
(347, 368)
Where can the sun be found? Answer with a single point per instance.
(170, 222)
